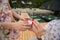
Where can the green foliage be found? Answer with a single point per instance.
(35, 3)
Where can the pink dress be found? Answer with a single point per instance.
(8, 34)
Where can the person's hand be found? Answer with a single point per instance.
(37, 29)
(22, 25)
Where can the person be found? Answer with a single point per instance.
(19, 26)
(52, 30)
(7, 15)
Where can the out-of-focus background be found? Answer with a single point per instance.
(41, 10)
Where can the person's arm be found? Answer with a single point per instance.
(7, 25)
(21, 25)
(14, 13)
(37, 29)
(40, 30)
(17, 15)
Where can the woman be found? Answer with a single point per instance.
(19, 26)
(52, 30)
(6, 15)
